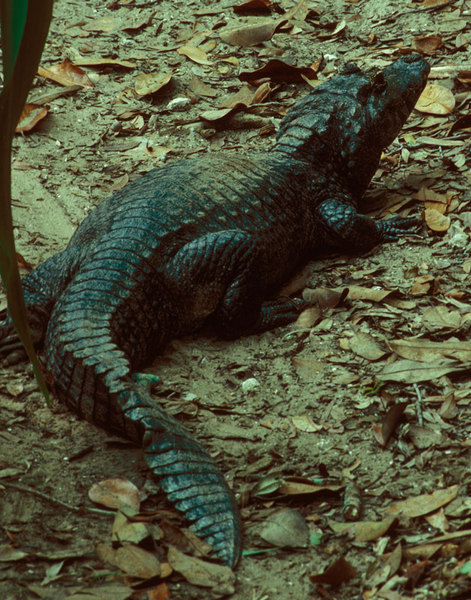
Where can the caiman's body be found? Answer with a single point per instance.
(210, 238)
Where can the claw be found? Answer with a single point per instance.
(393, 229)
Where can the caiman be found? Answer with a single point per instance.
(209, 240)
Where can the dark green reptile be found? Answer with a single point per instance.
(209, 239)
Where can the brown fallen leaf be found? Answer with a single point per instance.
(117, 591)
(424, 437)
(67, 74)
(432, 199)
(150, 83)
(160, 592)
(130, 559)
(104, 62)
(411, 371)
(336, 573)
(126, 530)
(366, 346)
(294, 486)
(202, 573)
(306, 424)
(440, 317)
(221, 113)
(364, 531)
(417, 506)
(243, 96)
(30, 117)
(115, 493)
(425, 284)
(197, 55)
(427, 44)
(279, 71)
(10, 554)
(198, 87)
(325, 297)
(253, 6)
(384, 431)
(436, 100)
(436, 220)
(286, 529)
(358, 292)
(307, 367)
(308, 318)
(438, 520)
(251, 34)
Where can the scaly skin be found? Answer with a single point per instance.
(209, 239)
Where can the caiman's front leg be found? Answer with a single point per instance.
(346, 229)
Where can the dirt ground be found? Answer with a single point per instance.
(363, 401)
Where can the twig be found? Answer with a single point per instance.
(43, 496)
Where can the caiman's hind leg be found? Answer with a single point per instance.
(222, 277)
(41, 289)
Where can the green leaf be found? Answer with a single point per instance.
(24, 27)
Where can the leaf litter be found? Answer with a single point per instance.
(388, 359)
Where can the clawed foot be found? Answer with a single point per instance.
(276, 313)
(11, 348)
(393, 229)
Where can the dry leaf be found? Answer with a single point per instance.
(197, 55)
(30, 117)
(418, 506)
(440, 317)
(378, 527)
(294, 486)
(366, 346)
(131, 559)
(253, 6)
(306, 424)
(307, 367)
(438, 520)
(200, 88)
(66, 73)
(308, 318)
(427, 44)
(104, 62)
(432, 199)
(115, 493)
(384, 431)
(279, 71)
(336, 573)
(425, 284)
(436, 100)
(10, 554)
(436, 220)
(200, 572)
(150, 83)
(420, 349)
(325, 297)
(252, 34)
(410, 371)
(358, 292)
(126, 530)
(286, 529)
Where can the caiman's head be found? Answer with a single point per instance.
(351, 118)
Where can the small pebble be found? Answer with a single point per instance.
(250, 384)
(178, 103)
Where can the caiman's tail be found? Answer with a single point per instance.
(92, 376)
